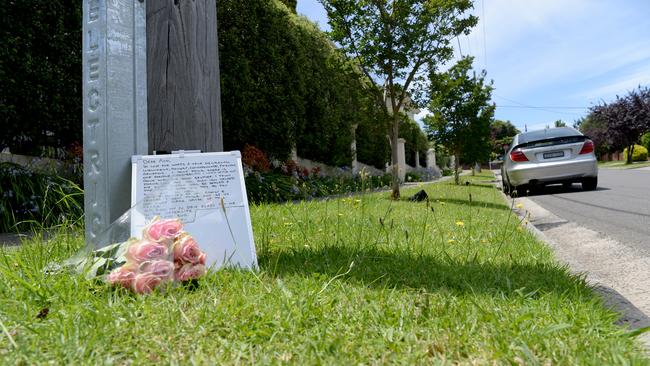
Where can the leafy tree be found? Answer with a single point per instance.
(291, 4)
(645, 140)
(398, 42)
(462, 113)
(596, 130)
(501, 133)
(626, 119)
(560, 123)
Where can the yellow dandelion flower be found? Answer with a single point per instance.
(519, 205)
(460, 223)
(451, 241)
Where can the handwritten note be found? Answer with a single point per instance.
(206, 191)
(174, 186)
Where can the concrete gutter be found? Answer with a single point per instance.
(617, 272)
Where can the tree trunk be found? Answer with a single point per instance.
(456, 172)
(394, 135)
(630, 152)
(184, 107)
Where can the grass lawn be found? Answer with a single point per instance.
(360, 280)
(622, 165)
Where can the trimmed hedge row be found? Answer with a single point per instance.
(284, 84)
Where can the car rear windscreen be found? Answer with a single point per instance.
(550, 136)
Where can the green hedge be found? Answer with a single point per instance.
(40, 75)
(284, 84)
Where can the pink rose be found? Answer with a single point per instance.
(145, 250)
(189, 272)
(186, 250)
(145, 282)
(163, 269)
(163, 229)
(121, 276)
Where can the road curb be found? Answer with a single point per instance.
(630, 315)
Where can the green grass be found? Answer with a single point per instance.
(361, 280)
(621, 164)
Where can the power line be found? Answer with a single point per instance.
(484, 36)
(539, 107)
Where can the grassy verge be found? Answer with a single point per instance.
(622, 165)
(360, 280)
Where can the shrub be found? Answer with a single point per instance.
(255, 159)
(413, 177)
(640, 153)
(276, 186)
(447, 172)
(31, 200)
(645, 140)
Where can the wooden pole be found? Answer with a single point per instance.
(184, 104)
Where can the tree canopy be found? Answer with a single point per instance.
(462, 113)
(501, 133)
(397, 43)
(624, 120)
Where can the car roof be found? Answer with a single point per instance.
(547, 133)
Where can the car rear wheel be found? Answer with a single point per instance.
(505, 186)
(521, 190)
(589, 184)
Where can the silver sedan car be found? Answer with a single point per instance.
(549, 156)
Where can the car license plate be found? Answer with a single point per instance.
(554, 154)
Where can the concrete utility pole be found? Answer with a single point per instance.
(184, 103)
(114, 107)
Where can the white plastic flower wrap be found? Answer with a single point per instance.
(165, 253)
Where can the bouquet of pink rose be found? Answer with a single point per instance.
(165, 254)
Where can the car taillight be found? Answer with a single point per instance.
(518, 155)
(588, 147)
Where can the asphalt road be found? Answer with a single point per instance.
(619, 208)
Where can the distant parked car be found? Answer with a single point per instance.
(549, 156)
